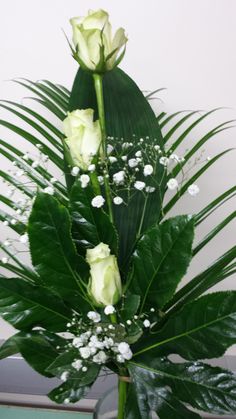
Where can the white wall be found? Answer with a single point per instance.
(187, 46)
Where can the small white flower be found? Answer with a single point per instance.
(64, 376)
(84, 369)
(193, 189)
(53, 180)
(123, 347)
(35, 164)
(125, 145)
(94, 316)
(124, 158)
(101, 180)
(4, 260)
(119, 177)
(139, 185)
(77, 365)
(77, 342)
(25, 156)
(13, 221)
(118, 200)
(75, 171)
(174, 157)
(133, 163)
(100, 357)
(99, 330)
(157, 147)
(66, 401)
(49, 190)
(91, 167)
(129, 322)
(164, 161)
(84, 179)
(24, 238)
(98, 201)
(110, 148)
(120, 358)
(112, 159)
(6, 223)
(172, 184)
(146, 323)
(152, 309)
(138, 153)
(150, 189)
(108, 342)
(85, 352)
(128, 355)
(109, 310)
(148, 170)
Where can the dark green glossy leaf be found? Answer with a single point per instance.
(128, 113)
(130, 306)
(152, 396)
(161, 259)
(91, 225)
(68, 391)
(9, 347)
(206, 388)
(39, 348)
(52, 250)
(25, 306)
(204, 328)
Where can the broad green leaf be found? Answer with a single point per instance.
(63, 363)
(203, 281)
(91, 226)
(161, 259)
(204, 328)
(39, 348)
(206, 388)
(69, 390)
(9, 347)
(52, 249)
(25, 306)
(153, 396)
(129, 116)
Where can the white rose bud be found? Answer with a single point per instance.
(83, 137)
(95, 47)
(105, 283)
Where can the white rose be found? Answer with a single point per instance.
(95, 47)
(105, 283)
(83, 137)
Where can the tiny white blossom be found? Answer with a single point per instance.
(84, 369)
(133, 163)
(150, 189)
(120, 358)
(66, 401)
(5, 223)
(118, 200)
(35, 164)
(77, 342)
(64, 376)
(138, 153)
(157, 147)
(148, 170)
(119, 177)
(174, 157)
(100, 180)
(4, 260)
(94, 316)
(125, 145)
(98, 201)
(99, 330)
(109, 310)
(193, 189)
(108, 342)
(100, 357)
(84, 179)
(123, 347)
(91, 167)
(172, 184)
(24, 238)
(152, 309)
(164, 161)
(112, 159)
(124, 158)
(129, 322)
(49, 190)
(139, 185)
(13, 221)
(77, 364)
(75, 171)
(146, 323)
(85, 352)
(53, 180)
(128, 355)
(110, 148)
(25, 156)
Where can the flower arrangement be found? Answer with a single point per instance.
(106, 260)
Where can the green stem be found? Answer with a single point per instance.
(122, 395)
(101, 113)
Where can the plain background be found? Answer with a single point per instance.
(187, 46)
